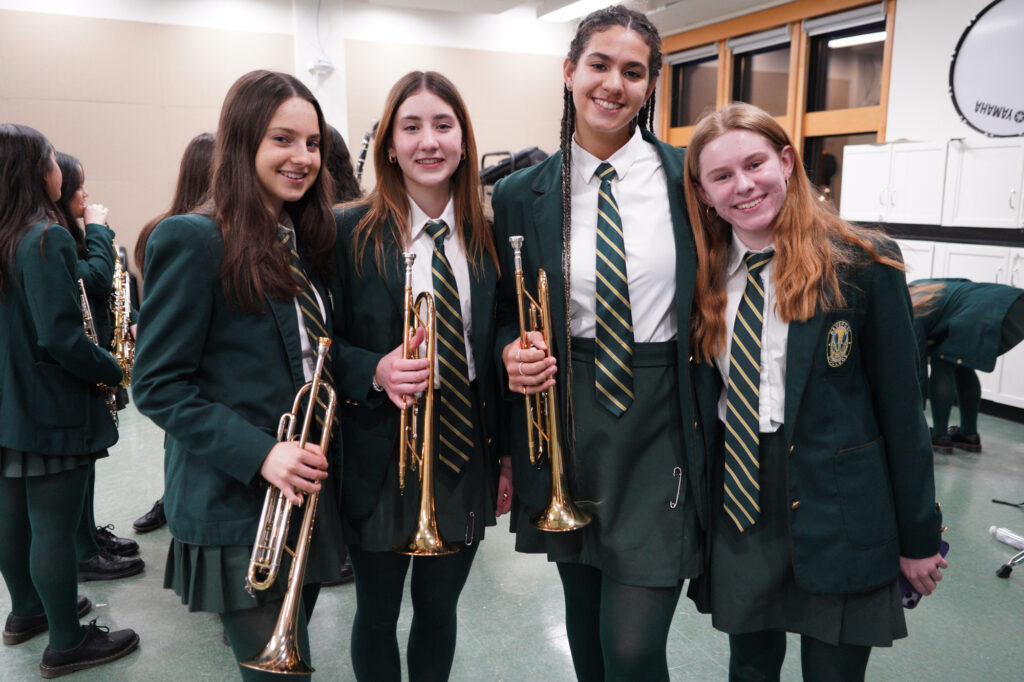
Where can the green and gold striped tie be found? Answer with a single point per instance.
(311, 314)
(455, 433)
(613, 333)
(742, 419)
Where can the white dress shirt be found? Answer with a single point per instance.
(641, 191)
(422, 275)
(774, 334)
(308, 352)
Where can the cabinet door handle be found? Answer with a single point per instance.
(881, 197)
(1013, 192)
(999, 271)
(892, 198)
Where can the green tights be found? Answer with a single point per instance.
(949, 383)
(38, 517)
(616, 631)
(758, 656)
(249, 630)
(85, 536)
(436, 585)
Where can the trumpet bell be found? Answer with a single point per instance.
(280, 656)
(561, 516)
(426, 540)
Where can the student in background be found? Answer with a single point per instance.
(962, 328)
(54, 423)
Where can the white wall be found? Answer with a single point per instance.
(926, 33)
(264, 16)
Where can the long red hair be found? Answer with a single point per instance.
(812, 243)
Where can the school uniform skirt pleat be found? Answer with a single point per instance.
(464, 502)
(628, 472)
(754, 588)
(19, 464)
(212, 577)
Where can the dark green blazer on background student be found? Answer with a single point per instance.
(369, 326)
(45, 348)
(217, 379)
(529, 203)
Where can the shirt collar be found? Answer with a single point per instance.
(418, 218)
(622, 160)
(737, 250)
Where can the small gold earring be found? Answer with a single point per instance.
(392, 159)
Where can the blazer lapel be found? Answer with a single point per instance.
(288, 326)
(547, 226)
(800, 349)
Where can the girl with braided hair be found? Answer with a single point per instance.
(605, 219)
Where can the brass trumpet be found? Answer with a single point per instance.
(109, 397)
(542, 430)
(281, 654)
(416, 448)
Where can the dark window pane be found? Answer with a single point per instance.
(694, 91)
(762, 79)
(845, 77)
(823, 159)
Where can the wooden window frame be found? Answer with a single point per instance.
(798, 122)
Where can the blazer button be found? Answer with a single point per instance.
(490, 440)
(791, 449)
(695, 425)
(795, 505)
(483, 403)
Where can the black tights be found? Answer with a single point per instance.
(437, 583)
(758, 657)
(616, 631)
(38, 517)
(949, 382)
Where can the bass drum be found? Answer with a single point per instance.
(984, 77)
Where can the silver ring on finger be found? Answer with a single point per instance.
(520, 350)
(521, 370)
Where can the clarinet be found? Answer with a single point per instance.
(362, 151)
(90, 331)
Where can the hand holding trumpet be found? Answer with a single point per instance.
(401, 379)
(530, 370)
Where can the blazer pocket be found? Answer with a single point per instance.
(58, 399)
(865, 499)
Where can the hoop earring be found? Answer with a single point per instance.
(462, 157)
(710, 213)
(392, 159)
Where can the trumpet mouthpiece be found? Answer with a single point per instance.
(516, 241)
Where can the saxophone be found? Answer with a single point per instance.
(123, 345)
(89, 325)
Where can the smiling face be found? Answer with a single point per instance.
(609, 82)
(426, 141)
(288, 158)
(744, 178)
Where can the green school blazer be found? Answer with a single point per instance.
(96, 270)
(368, 327)
(860, 476)
(529, 203)
(217, 379)
(49, 402)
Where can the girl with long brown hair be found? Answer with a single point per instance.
(235, 298)
(426, 201)
(822, 486)
(604, 221)
(53, 420)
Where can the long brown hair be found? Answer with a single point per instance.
(71, 180)
(388, 202)
(190, 192)
(255, 263)
(24, 162)
(925, 296)
(812, 243)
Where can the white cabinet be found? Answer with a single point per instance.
(901, 182)
(918, 257)
(984, 180)
(1011, 384)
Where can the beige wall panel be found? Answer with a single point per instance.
(125, 97)
(514, 100)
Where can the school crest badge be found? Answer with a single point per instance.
(840, 342)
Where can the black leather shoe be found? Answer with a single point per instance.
(106, 566)
(99, 646)
(20, 629)
(345, 575)
(152, 519)
(113, 544)
(971, 442)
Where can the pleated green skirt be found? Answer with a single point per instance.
(212, 578)
(629, 472)
(19, 464)
(754, 588)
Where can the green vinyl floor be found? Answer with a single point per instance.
(511, 613)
